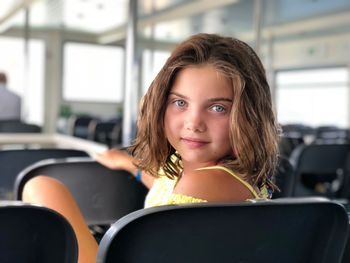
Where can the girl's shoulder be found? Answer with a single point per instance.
(259, 193)
(215, 184)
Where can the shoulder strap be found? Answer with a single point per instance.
(247, 185)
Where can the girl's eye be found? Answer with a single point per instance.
(180, 103)
(218, 108)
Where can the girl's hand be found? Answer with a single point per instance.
(117, 159)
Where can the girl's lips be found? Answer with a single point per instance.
(194, 143)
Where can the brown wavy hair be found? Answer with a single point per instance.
(253, 130)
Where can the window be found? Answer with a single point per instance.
(93, 73)
(153, 62)
(313, 97)
(25, 77)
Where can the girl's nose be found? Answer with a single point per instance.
(195, 122)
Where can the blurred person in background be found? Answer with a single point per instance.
(10, 102)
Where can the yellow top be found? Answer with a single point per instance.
(161, 192)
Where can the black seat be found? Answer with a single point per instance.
(102, 194)
(284, 178)
(297, 130)
(320, 169)
(346, 255)
(288, 231)
(288, 143)
(293, 135)
(12, 162)
(35, 234)
(106, 132)
(78, 125)
(16, 126)
(331, 134)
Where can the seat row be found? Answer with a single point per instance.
(108, 132)
(294, 135)
(18, 126)
(316, 170)
(287, 230)
(105, 195)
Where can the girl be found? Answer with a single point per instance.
(206, 133)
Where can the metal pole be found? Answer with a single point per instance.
(24, 113)
(270, 68)
(257, 24)
(131, 93)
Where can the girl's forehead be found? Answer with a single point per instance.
(200, 73)
(203, 79)
(201, 69)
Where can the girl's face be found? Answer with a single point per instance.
(197, 117)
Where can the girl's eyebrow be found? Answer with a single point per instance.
(210, 100)
(220, 99)
(177, 94)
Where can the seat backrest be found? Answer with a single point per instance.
(346, 254)
(288, 143)
(35, 234)
(284, 178)
(331, 135)
(102, 194)
(18, 127)
(301, 129)
(78, 125)
(287, 231)
(12, 162)
(106, 132)
(320, 169)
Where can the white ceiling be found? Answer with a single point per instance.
(173, 20)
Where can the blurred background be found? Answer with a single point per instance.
(96, 58)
